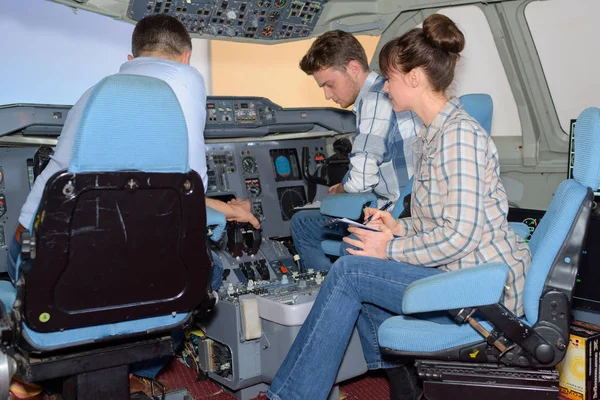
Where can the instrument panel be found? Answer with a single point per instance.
(261, 19)
(226, 117)
(266, 173)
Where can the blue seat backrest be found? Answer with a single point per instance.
(135, 137)
(550, 234)
(481, 107)
(478, 105)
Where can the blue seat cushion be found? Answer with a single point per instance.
(74, 337)
(347, 205)
(414, 335)
(216, 221)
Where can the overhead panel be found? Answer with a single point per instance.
(261, 19)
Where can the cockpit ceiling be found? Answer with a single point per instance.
(267, 21)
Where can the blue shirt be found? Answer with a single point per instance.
(382, 157)
(187, 84)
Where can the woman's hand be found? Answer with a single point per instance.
(370, 243)
(379, 218)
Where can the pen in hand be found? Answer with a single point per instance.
(383, 208)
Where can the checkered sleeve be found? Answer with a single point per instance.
(376, 119)
(405, 228)
(456, 179)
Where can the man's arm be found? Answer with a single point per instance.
(194, 110)
(369, 147)
(235, 210)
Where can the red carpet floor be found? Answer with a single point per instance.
(373, 386)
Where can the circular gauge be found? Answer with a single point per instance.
(288, 200)
(253, 187)
(268, 30)
(273, 16)
(532, 223)
(279, 3)
(249, 165)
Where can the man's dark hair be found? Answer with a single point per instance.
(160, 34)
(334, 49)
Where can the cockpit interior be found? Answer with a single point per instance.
(110, 291)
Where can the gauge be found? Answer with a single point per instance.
(273, 16)
(257, 210)
(532, 223)
(279, 3)
(289, 199)
(253, 187)
(249, 165)
(268, 30)
(319, 158)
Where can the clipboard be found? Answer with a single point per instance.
(340, 226)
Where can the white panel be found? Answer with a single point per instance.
(566, 36)
(480, 69)
(201, 61)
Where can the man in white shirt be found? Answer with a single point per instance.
(161, 48)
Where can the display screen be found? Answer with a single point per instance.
(285, 165)
(290, 198)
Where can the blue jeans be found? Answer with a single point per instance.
(357, 290)
(308, 233)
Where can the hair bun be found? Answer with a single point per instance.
(443, 34)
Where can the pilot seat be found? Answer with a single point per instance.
(488, 352)
(116, 258)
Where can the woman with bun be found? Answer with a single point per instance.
(459, 210)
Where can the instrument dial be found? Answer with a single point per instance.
(253, 187)
(249, 165)
(289, 199)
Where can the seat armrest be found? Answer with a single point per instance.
(216, 222)
(347, 205)
(471, 287)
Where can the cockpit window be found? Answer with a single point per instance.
(480, 69)
(270, 71)
(565, 34)
(55, 54)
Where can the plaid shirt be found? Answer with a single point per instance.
(381, 159)
(459, 205)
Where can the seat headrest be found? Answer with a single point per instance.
(586, 169)
(131, 122)
(481, 107)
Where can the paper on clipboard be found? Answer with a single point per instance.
(342, 224)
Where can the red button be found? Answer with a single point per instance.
(283, 269)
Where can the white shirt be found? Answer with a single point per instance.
(187, 84)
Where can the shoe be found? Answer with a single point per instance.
(404, 383)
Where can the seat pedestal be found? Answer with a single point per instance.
(100, 373)
(111, 383)
(454, 380)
